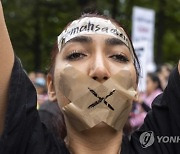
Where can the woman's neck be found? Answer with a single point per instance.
(98, 140)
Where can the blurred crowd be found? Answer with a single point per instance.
(50, 113)
(39, 80)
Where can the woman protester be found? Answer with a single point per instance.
(153, 89)
(93, 77)
(143, 104)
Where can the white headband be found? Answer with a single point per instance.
(93, 25)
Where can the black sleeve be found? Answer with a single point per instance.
(163, 120)
(21, 112)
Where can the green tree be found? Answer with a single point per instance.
(35, 24)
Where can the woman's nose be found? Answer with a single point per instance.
(99, 70)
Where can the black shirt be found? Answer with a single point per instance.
(25, 134)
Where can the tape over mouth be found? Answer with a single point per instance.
(93, 25)
(92, 102)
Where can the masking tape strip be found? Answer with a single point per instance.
(109, 99)
(93, 25)
(82, 117)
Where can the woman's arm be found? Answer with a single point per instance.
(6, 64)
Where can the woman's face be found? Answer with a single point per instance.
(98, 56)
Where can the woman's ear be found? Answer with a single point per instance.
(51, 88)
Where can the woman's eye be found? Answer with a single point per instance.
(119, 58)
(75, 55)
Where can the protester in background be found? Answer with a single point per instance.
(40, 85)
(32, 76)
(143, 105)
(40, 74)
(163, 72)
(38, 78)
(153, 89)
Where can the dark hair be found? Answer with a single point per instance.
(55, 48)
(154, 77)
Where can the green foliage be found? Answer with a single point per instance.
(172, 47)
(35, 24)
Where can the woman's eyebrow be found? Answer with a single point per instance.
(114, 41)
(81, 39)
